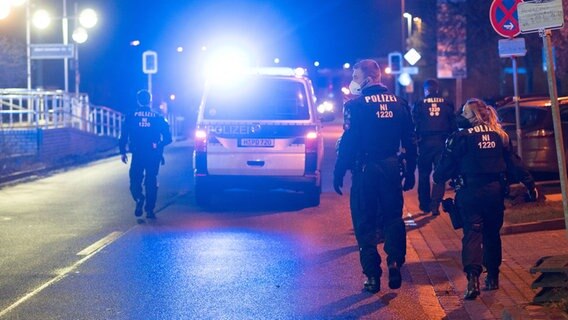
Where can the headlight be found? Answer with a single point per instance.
(325, 106)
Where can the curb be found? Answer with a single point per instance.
(525, 312)
(552, 224)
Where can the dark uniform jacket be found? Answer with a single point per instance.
(376, 124)
(479, 154)
(144, 131)
(433, 115)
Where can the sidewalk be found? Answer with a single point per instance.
(438, 247)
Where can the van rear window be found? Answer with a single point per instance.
(257, 98)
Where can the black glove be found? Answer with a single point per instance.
(409, 181)
(532, 195)
(338, 183)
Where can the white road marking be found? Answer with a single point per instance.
(99, 244)
(92, 249)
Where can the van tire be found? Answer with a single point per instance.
(202, 195)
(313, 195)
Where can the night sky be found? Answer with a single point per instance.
(296, 31)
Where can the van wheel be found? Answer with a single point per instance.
(202, 194)
(313, 195)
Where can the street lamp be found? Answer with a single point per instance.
(87, 19)
(5, 9)
(41, 20)
(408, 18)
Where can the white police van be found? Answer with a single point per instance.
(259, 131)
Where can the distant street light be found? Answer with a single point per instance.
(41, 19)
(408, 18)
(17, 3)
(80, 35)
(88, 18)
(4, 10)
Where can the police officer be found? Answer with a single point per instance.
(480, 157)
(376, 123)
(434, 119)
(146, 133)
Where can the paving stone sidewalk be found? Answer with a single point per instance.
(438, 247)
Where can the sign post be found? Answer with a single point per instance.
(504, 19)
(541, 17)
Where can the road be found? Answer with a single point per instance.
(72, 249)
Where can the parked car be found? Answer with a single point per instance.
(537, 132)
(260, 131)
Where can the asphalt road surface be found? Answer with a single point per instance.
(72, 249)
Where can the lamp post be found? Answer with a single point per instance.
(41, 19)
(408, 18)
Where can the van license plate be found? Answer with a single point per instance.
(262, 143)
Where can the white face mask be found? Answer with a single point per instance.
(355, 88)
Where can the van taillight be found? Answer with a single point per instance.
(311, 145)
(311, 140)
(200, 140)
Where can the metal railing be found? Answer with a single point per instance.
(20, 108)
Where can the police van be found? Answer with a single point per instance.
(258, 131)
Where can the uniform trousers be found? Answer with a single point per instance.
(144, 168)
(376, 199)
(429, 152)
(482, 208)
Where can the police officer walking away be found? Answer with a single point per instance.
(434, 119)
(146, 133)
(480, 158)
(376, 124)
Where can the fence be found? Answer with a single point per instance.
(38, 109)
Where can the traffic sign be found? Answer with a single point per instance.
(395, 62)
(51, 51)
(150, 62)
(512, 48)
(412, 56)
(410, 70)
(535, 16)
(504, 18)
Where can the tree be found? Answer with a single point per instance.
(12, 63)
(560, 42)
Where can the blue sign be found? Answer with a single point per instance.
(544, 68)
(51, 51)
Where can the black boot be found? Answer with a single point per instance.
(491, 283)
(472, 287)
(395, 278)
(139, 205)
(435, 208)
(373, 284)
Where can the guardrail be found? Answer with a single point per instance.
(20, 108)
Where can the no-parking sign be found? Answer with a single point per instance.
(504, 18)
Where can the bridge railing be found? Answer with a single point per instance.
(24, 109)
